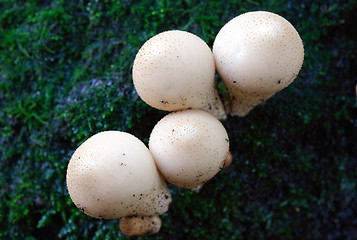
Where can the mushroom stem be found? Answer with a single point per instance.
(241, 103)
(140, 225)
(214, 105)
(197, 189)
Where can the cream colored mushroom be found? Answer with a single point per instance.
(113, 174)
(257, 54)
(140, 225)
(189, 147)
(175, 70)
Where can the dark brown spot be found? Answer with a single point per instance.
(81, 208)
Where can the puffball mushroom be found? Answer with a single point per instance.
(113, 174)
(140, 225)
(257, 54)
(189, 147)
(175, 70)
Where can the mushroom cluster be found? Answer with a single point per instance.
(114, 175)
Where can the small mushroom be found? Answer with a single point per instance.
(113, 174)
(227, 161)
(175, 70)
(257, 54)
(140, 225)
(189, 147)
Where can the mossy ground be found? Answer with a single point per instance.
(65, 74)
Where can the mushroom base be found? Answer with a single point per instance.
(215, 106)
(241, 103)
(140, 225)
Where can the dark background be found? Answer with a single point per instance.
(65, 74)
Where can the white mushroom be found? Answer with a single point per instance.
(113, 174)
(257, 54)
(140, 225)
(175, 70)
(189, 147)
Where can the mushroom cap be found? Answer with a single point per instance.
(113, 174)
(258, 52)
(175, 70)
(140, 225)
(189, 147)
